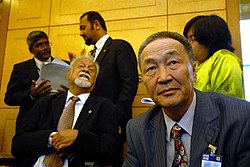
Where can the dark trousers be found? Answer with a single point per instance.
(118, 161)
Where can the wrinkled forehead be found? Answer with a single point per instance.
(84, 61)
(160, 47)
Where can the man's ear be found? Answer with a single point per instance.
(97, 25)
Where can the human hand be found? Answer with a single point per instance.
(72, 56)
(64, 138)
(41, 89)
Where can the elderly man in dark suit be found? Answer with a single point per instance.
(118, 78)
(93, 135)
(22, 89)
(186, 127)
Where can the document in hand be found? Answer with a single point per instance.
(56, 73)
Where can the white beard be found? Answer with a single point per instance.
(82, 83)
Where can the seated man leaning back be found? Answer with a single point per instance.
(90, 138)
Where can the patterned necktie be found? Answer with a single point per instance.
(180, 157)
(67, 117)
(65, 122)
(93, 51)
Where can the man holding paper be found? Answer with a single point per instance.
(23, 89)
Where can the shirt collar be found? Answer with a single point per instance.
(40, 63)
(83, 97)
(186, 121)
(99, 44)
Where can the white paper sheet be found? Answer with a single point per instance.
(55, 72)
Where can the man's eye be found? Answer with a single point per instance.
(150, 70)
(91, 69)
(82, 28)
(39, 45)
(173, 62)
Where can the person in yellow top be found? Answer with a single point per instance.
(218, 68)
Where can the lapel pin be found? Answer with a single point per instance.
(90, 111)
(213, 149)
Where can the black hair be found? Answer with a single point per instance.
(164, 35)
(211, 31)
(92, 16)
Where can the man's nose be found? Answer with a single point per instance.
(85, 69)
(45, 45)
(164, 74)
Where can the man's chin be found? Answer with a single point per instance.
(82, 83)
(167, 101)
(88, 42)
(46, 56)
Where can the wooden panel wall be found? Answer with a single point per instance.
(28, 13)
(131, 20)
(69, 11)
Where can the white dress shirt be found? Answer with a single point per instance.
(99, 45)
(78, 107)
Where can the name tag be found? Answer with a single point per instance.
(211, 160)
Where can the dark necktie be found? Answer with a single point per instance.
(65, 122)
(180, 157)
(93, 51)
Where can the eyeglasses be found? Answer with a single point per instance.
(191, 38)
(42, 44)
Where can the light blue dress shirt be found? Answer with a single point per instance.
(186, 123)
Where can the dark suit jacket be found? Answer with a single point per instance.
(219, 120)
(118, 77)
(96, 140)
(18, 89)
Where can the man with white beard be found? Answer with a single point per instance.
(91, 140)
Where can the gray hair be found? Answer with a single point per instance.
(88, 57)
(34, 36)
(164, 35)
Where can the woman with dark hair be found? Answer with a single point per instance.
(218, 68)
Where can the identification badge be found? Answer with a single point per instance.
(211, 160)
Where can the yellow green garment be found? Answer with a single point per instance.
(222, 72)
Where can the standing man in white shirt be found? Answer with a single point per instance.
(118, 77)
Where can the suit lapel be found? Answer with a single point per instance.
(155, 138)
(205, 128)
(86, 112)
(57, 111)
(32, 69)
(104, 50)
